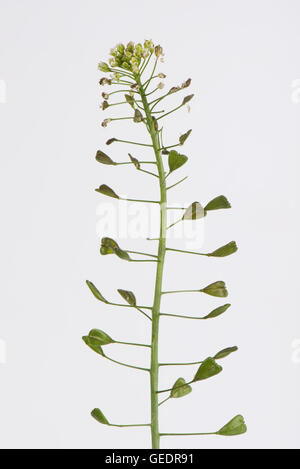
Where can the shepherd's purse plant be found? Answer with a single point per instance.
(133, 69)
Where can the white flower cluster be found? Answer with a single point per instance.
(130, 57)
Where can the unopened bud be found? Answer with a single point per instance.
(103, 67)
(104, 81)
(158, 51)
(161, 75)
(105, 122)
(187, 99)
(174, 89)
(186, 83)
(111, 140)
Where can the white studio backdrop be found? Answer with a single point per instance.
(243, 58)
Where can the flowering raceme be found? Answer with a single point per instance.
(130, 57)
(133, 68)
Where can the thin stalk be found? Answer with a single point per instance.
(154, 368)
(146, 84)
(131, 162)
(153, 91)
(180, 291)
(171, 146)
(120, 91)
(187, 434)
(170, 112)
(143, 312)
(128, 306)
(180, 364)
(142, 253)
(131, 343)
(133, 143)
(142, 260)
(176, 183)
(148, 172)
(126, 364)
(173, 224)
(165, 400)
(130, 425)
(187, 252)
(139, 200)
(180, 316)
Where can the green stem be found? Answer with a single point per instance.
(133, 143)
(179, 316)
(131, 162)
(125, 364)
(170, 112)
(187, 252)
(176, 183)
(187, 434)
(142, 260)
(148, 172)
(139, 200)
(141, 253)
(154, 369)
(128, 306)
(131, 425)
(179, 291)
(180, 364)
(131, 343)
(143, 312)
(165, 400)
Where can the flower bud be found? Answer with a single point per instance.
(103, 67)
(187, 99)
(158, 51)
(105, 122)
(138, 50)
(135, 161)
(186, 83)
(111, 140)
(130, 46)
(162, 75)
(149, 45)
(174, 89)
(120, 48)
(104, 81)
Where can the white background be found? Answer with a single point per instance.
(243, 57)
